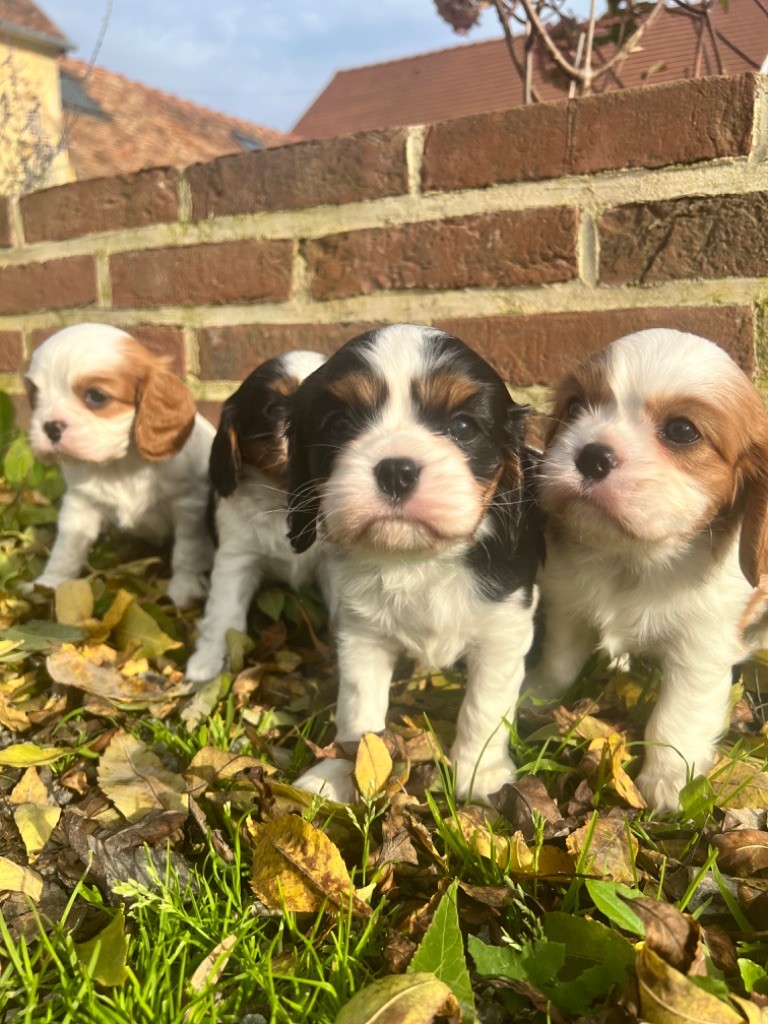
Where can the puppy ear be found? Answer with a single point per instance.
(753, 542)
(303, 498)
(165, 414)
(225, 461)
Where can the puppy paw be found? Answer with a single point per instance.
(332, 779)
(206, 663)
(476, 780)
(661, 791)
(185, 589)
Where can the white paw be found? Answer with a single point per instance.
(184, 589)
(50, 582)
(661, 792)
(477, 780)
(333, 779)
(206, 663)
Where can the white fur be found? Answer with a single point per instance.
(108, 482)
(253, 546)
(631, 568)
(400, 583)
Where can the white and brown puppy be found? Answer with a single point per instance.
(132, 450)
(249, 477)
(655, 483)
(405, 454)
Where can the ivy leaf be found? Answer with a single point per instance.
(441, 951)
(18, 461)
(271, 601)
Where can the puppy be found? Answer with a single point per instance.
(655, 483)
(249, 476)
(405, 453)
(133, 452)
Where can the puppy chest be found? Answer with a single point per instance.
(131, 502)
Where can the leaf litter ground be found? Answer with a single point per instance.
(158, 865)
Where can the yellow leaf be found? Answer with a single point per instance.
(511, 853)
(105, 955)
(668, 997)
(21, 755)
(74, 602)
(373, 765)
(297, 867)
(209, 971)
(138, 633)
(613, 755)
(136, 782)
(11, 717)
(117, 609)
(79, 669)
(30, 789)
(739, 783)
(585, 727)
(35, 823)
(211, 764)
(605, 850)
(14, 878)
(417, 998)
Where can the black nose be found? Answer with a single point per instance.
(54, 429)
(595, 461)
(396, 477)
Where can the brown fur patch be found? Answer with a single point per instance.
(587, 383)
(284, 385)
(270, 457)
(755, 616)
(445, 391)
(119, 386)
(357, 389)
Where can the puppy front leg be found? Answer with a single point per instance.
(480, 752)
(192, 554)
(366, 665)
(78, 528)
(567, 644)
(689, 718)
(234, 580)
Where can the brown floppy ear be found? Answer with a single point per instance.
(165, 414)
(753, 543)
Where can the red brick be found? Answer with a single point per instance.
(699, 237)
(673, 123)
(342, 170)
(165, 341)
(211, 411)
(5, 224)
(57, 284)
(490, 250)
(11, 352)
(230, 353)
(246, 271)
(21, 406)
(539, 348)
(101, 204)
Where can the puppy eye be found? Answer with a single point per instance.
(463, 428)
(575, 408)
(32, 392)
(680, 431)
(337, 426)
(95, 399)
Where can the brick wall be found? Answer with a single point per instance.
(537, 234)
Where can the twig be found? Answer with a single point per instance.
(510, 41)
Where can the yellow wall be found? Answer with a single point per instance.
(29, 80)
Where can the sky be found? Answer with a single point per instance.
(262, 60)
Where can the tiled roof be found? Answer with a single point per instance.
(29, 20)
(136, 127)
(480, 77)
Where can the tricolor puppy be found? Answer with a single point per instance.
(249, 478)
(655, 482)
(405, 455)
(132, 450)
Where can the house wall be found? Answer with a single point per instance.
(29, 80)
(537, 234)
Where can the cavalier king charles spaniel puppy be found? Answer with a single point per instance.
(249, 477)
(132, 450)
(655, 484)
(406, 456)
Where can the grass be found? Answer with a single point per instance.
(150, 915)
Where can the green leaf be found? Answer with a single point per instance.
(597, 958)
(536, 963)
(7, 417)
(610, 899)
(441, 951)
(754, 976)
(104, 956)
(39, 636)
(697, 799)
(271, 602)
(18, 461)
(138, 632)
(22, 755)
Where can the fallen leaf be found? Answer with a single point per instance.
(104, 956)
(373, 765)
(297, 867)
(30, 789)
(22, 755)
(138, 633)
(15, 878)
(402, 999)
(742, 853)
(211, 764)
(518, 802)
(12, 717)
(605, 849)
(200, 704)
(612, 751)
(70, 667)
(739, 783)
(671, 934)
(35, 823)
(73, 602)
(208, 972)
(668, 997)
(441, 951)
(135, 780)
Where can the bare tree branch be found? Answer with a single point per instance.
(503, 13)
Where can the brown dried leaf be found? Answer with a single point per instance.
(742, 853)
(72, 667)
(671, 934)
(739, 783)
(518, 801)
(611, 851)
(210, 764)
(210, 969)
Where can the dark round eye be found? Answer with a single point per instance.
(680, 431)
(463, 428)
(95, 399)
(337, 426)
(575, 408)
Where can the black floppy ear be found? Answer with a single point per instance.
(224, 464)
(303, 499)
(514, 426)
